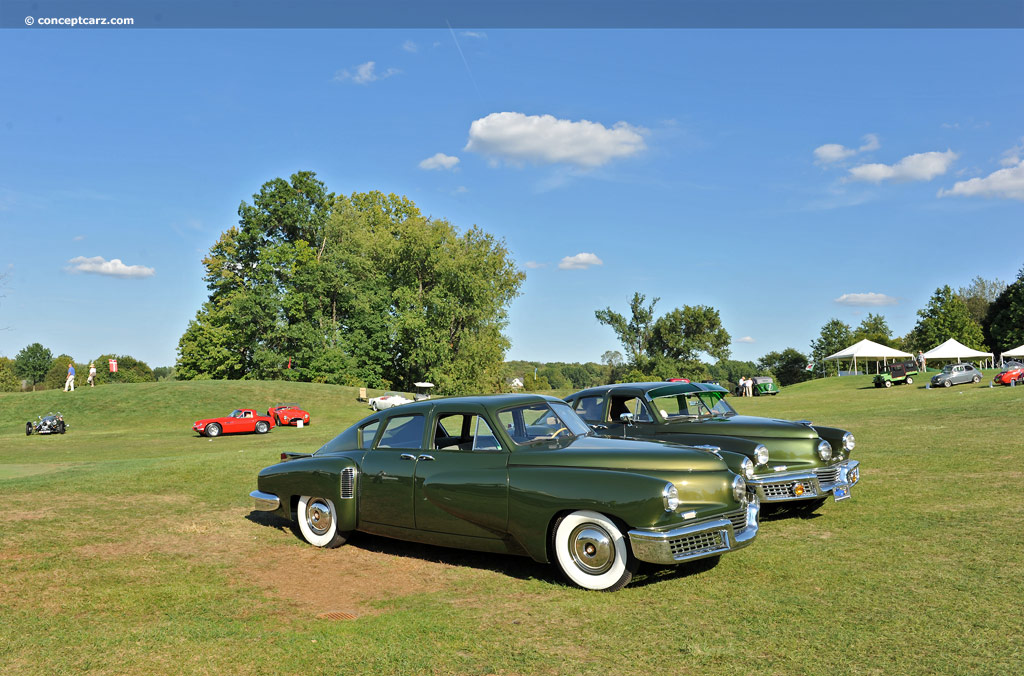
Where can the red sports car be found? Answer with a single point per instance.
(239, 420)
(1013, 372)
(288, 414)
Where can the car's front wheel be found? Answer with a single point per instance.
(888, 383)
(373, 405)
(947, 383)
(591, 551)
(28, 428)
(976, 379)
(61, 427)
(212, 430)
(318, 522)
(262, 427)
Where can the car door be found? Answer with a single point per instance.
(461, 484)
(386, 493)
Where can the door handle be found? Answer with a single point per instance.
(407, 456)
(425, 457)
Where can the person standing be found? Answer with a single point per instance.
(920, 361)
(748, 388)
(741, 386)
(70, 382)
(92, 375)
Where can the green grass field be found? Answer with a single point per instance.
(129, 546)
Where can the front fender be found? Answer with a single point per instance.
(834, 436)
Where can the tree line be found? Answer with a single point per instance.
(38, 369)
(351, 290)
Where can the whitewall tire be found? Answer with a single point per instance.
(591, 552)
(318, 522)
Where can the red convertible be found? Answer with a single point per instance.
(288, 414)
(239, 420)
(1013, 372)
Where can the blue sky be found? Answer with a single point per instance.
(780, 176)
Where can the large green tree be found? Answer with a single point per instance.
(1004, 322)
(672, 344)
(874, 328)
(834, 336)
(788, 366)
(9, 381)
(979, 295)
(945, 316)
(351, 290)
(32, 363)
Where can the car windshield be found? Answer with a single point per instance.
(693, 405)
(237, 413)
(947, 368)
(542, 421)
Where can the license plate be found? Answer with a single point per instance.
(841, 492)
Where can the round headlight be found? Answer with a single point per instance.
(761, 454)
(671, 496)
(824, 450)
(849, 442)
(739, 489)
(748, 468)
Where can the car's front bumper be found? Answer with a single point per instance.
(786, 486)
(845, 473)
(265, 502)
(699, 540)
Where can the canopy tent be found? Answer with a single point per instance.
(1015, 352)
(953, 349)
(867, 349)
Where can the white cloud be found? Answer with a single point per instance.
(1012, 157)
(834, 152)
(97, 265)
(473, 34)
(866, 299)
(460, 190)
(546, 139)
(745, 339)
(78, 238)
(580, 261)
(534, 265)
(364, 73)
(919, 167)
(410, 46)
(1006, 183)
(439, 161)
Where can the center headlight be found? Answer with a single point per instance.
(849, 442)
(739, 489)
(748, 468)
(824, 450)
(761, 454)
(671, 496)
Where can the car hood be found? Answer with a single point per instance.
(743, 426)
(619, 454)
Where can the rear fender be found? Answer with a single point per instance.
(312, 476)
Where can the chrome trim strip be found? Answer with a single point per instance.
(708, 538)
(265, 502)
(812, 488)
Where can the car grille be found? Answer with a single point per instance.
(738, 518)
(699, 543)
(784, 489)
(827, 475)
(348, 482)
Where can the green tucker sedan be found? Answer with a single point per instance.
(793, 462)
(515, 474)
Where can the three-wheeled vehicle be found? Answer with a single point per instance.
(764, 385)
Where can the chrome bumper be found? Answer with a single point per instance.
(784, 486)
(696, 541)
(849, 475)
(265, 502)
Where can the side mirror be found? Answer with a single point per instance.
(626, 418)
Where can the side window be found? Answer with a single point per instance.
(590, 408)
(632, 405)
(639, 410)
(483, 437)
(366, 434)
(402, 431)
(247, 414)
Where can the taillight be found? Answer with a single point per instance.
(284, 456)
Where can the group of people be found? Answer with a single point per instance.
(746, 386)
(69, 384)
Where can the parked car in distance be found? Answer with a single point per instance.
(514, 474)
(288, 414)
(52, 423)
(389, 400)
(896, 373)
(238, 421)
(794, 462)
(1012, 374)
(956, 374)
(764, 385)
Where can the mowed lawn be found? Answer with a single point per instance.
(129, 546)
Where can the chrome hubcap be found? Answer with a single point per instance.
(591, 548)
(318, 516)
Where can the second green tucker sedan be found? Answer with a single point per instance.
(518, 474)
(794, 462)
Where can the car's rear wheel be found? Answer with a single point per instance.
(910, 381)
(888, 383)
(591, 551)
(318, 522)
(28, 428)
(262, 427)
(212, 430)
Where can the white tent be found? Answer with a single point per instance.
(953, 349)
(1015, 352)
(867, 349)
